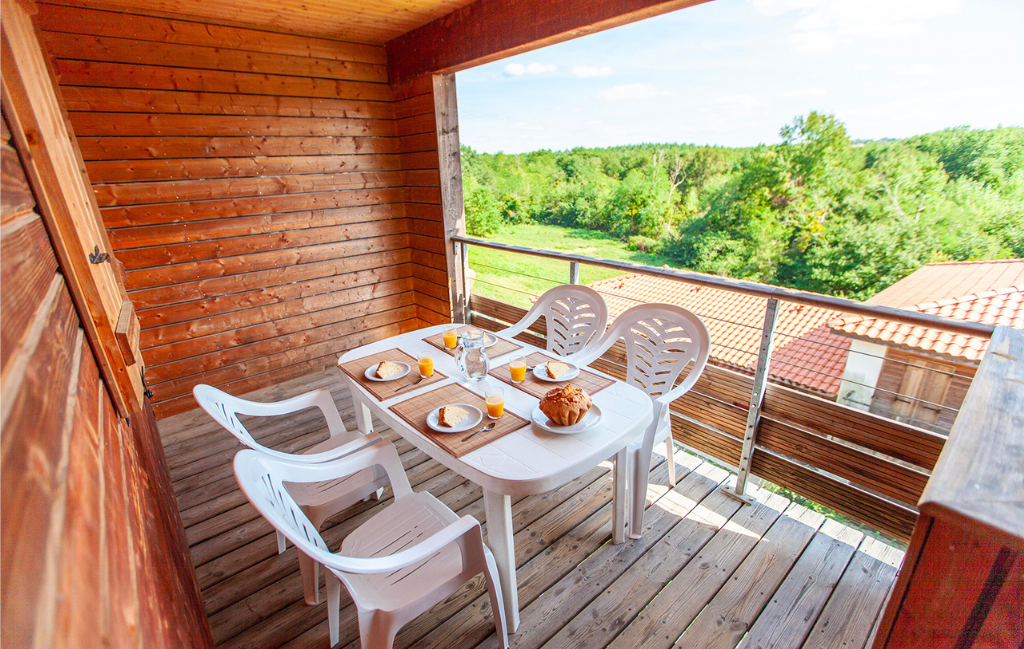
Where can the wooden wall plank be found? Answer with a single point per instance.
(28, 269)
(156, 147)
(91, 47)
(156, 77)
(191, 32)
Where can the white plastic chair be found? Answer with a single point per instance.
(661, 339)
(320, 501)
(398, 564)
(575, 316)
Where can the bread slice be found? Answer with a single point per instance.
(557, 369)
(387, 369)
(450, 416)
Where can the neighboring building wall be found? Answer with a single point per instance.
(274, 201)
(93, 550)
(863, 365)
(894, 385)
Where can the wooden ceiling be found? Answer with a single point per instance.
(360, 21)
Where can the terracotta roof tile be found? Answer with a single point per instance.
(807, 353)
(949, 280)
(997, 307)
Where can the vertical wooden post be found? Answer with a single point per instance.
(771, 316)
(574, 272)
(446, 115)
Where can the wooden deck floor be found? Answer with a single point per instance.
(707, 572)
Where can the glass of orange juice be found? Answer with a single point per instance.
(451, 338)
(426, 366)
(517, 368)
(495, 402)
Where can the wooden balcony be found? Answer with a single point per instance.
(707, 569)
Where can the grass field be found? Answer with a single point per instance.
(514, 278)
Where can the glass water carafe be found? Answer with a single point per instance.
(471, 355)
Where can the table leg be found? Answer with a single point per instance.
(498, 510)
(620, 473)
(364, 418)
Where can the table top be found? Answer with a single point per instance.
(529, 460)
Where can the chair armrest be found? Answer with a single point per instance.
(422, 550)
(319, 398)
(357, 444)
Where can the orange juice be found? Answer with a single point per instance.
(450, 339)
(517, 369)
(426, 366)
(495, 406)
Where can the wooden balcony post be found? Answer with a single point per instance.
(446, 113)
(574, 272)
(771, 316)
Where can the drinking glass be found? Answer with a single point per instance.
(517, 368)
(426, 366)
(495, 402)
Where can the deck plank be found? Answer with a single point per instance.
(705, 565)
(850, 614)
(787, 619)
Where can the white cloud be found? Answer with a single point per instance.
(519, 69)
(806, 92)
(632, 91)
(824, 25)
(584, 71)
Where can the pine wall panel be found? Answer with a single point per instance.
(273, 200)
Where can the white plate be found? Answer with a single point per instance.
(474, 418)
(369, 373)
(590, 420)
(541, 372)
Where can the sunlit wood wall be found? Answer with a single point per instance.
(93, 550)
(273, 199)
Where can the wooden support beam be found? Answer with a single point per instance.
(446, 114)
(56, 173)
(488, 30)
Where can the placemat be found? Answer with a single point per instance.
(387, 389)
(499, 348)
(592, 383)
(415, 410)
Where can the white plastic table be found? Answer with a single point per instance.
(525, 462)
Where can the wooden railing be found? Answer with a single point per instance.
(867, 467)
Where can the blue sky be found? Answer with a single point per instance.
(732, 72)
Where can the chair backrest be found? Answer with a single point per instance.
(575, 316)
(225, 408)
(262, 477)
(661, 339)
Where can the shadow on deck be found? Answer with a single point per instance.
(707, 572)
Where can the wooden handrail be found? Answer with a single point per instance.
(758, 290)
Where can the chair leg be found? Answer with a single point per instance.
(641, 470)
(310, 571)
(620, 473)
(669, 449)
(333, 585)
(497, 604)
(282, 543)
(377, 630)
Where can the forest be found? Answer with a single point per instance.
(817, 212)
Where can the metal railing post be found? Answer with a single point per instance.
(574, 272)
(771, 316)
(464, 251)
